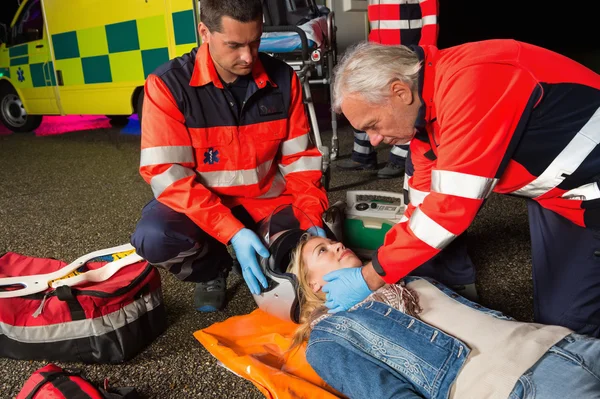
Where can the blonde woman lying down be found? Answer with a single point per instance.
(419, 339)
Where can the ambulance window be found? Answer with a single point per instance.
(30, 25)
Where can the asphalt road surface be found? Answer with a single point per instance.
(64, 195)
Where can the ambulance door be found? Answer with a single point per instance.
(182, 27)
(31, 67)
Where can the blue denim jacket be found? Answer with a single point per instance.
(376, 351)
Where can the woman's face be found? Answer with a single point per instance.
(321, 256)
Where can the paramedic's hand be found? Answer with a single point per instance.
(317, 231)
(246, 245)
(345, 288)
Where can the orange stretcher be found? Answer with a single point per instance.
(253, 346)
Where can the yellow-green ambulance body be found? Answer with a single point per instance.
(88, 57)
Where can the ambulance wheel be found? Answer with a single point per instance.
(13, 114)
(118, 120)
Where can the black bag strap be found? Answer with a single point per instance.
(64, 293)
(60, 380)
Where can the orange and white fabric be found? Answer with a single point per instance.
(255, 347)
(405, 22)
(202, 156)
(498, 119)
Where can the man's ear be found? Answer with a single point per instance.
(402, 91)
(204, 33)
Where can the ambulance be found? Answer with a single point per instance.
(88, 57)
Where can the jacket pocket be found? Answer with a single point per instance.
(215, 151)
(271, 105)
(264, 139)
(219, 136)
(269, 131)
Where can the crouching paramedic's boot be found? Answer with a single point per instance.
(209, 296)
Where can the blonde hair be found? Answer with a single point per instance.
(368, 68)
(309, 300)
(312, 304)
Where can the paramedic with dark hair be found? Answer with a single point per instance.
(225, 141)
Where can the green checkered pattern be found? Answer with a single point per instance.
(27, 70)
(122, 52)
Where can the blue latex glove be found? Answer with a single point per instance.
(246, 245)
(317, 231)
(345, 288)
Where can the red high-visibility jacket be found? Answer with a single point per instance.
(403, 22)
(202, 156)
(501, 116)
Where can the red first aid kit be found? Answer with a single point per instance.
(108, 321)
(53, 382)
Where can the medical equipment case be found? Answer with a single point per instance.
(369, 215)
(96, 322)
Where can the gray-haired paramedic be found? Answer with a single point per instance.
(496, 115)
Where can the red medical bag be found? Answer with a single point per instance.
(100, 322)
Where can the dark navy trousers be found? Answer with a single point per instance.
(453, 266)
(565, 264)
(171, 240)
(365, 153)
(566, 271)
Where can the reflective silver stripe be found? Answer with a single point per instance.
(461, 184)
(586, 192)
(166, 154)
(428, 231)
(401, 152)
(186, 259)
(301, 165)
(83, 328)
(233, 178)
(176, 172)
(567, 161)
(404, 23)
(277, 187)
(295, 145)
(361, 136)
(429, 20)
(188, 265)
(398, 24)
(416, 197)
(362, 149)
(405, 182)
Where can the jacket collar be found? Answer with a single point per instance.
(427, 56)
(205, 71)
